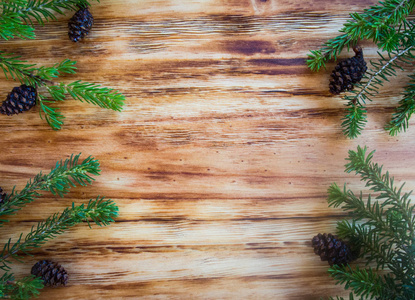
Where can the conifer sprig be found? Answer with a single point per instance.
(385, 24)
(65, 174)
(18, 16)
(101, 212)
(31, 75)
(25, 288)
(62, 177)
(375, 23)
(382, 227)
(405, 109)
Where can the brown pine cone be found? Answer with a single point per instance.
(21, 98)
(348, 72)
(52, 273)
(80, 24)
(332, 249)
(2, 196)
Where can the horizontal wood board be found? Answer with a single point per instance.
(221, 159)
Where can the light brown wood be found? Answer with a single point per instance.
(220, 161)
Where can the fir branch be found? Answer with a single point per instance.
(363, 282)
(361, 164)
(100, 211)
(383, 228)
(354, 120)
(64, 175)
(373, 24)
(31, 75)
(17, 16)
(400, 119)
(25, 288)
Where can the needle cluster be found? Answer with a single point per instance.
(16, 21)
(58, 181)
(386, 24)
(382, 227)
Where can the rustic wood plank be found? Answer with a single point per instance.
(220, 161)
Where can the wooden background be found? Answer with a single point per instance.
(220, 161)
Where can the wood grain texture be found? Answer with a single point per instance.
(220, 161)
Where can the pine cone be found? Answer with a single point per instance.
(80, 24)
(348, 72)
(22, 98)
(2, 196)
(52, 273)
(332, 249)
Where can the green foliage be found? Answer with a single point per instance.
(17, 20)
(31, 75)
(382, 227)
(65, 174)
(25, 288)
(405, 109)
(385, 24)
(18, 16)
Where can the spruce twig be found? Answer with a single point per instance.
(385, 24)
(100, 211)
(18, 16)
(383, 227)
(62, 177)
(31, 75)
(25, 288)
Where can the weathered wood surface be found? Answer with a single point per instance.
(220, 161)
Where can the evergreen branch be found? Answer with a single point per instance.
(95, 94)
(382, 229)
(100, 211)
(378, 182)
(52, 116)
(28, 74)
(351, 297)
(23, 289)
(17, 16)
(18, 69)
(354, 120)
(11, 26)
(400, 119)
(31, 75)
(363, 282)
(374, 24)
(64, 175)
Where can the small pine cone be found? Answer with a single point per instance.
(80, 24)
(2, 196)
(22, 98)
(332, 249)
(52, 273)
(348, 72)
